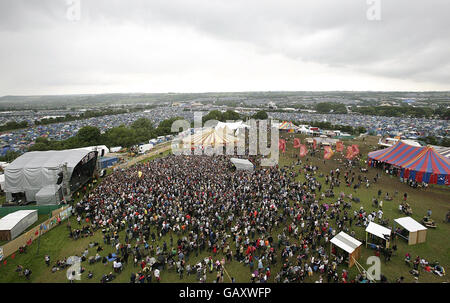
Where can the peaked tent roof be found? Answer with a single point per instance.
(287, 125)
(209, 137)
(423, 159)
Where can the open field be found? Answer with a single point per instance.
(437, 247)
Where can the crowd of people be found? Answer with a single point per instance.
(201, 205)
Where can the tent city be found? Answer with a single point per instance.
(224, 142)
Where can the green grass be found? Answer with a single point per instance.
(437, 247)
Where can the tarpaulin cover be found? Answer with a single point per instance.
(35, 170)
(48, 195)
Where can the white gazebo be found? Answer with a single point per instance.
(417, 233)
(378, 231)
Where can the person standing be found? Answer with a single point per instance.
(47, 260)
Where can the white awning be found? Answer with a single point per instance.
(346, 242)
(410, 224)
(378, 230)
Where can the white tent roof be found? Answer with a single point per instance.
(242, 163)
(346, 242)
(34, 170)
(11, 220)
(410, 224)
(231, 125)
(378, 230)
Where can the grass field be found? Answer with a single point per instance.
(437, 247)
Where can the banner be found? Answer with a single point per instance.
(339, 146)
(349, 154)
(296, 143)
(328, 153)
(355, 150)
(282, 145)
(303, 150)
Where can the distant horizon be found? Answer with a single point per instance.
(232, 92)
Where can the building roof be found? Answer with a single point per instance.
(9, 221)
(410, 224)
(346, 242)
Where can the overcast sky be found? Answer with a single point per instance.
(222, 45)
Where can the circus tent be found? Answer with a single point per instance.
(209, 137)
(422, 164)
(288, 126)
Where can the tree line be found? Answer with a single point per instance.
(404, 111)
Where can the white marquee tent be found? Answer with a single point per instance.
(242, 164)
(15, 223)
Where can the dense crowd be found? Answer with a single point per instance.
(234, 216)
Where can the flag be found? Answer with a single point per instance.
(339, 146)
(36, 233)
(355, 150)
(303, 150)
(314, 144)
(282, 145)
(349, 154)
(328, 152)
(296, 143)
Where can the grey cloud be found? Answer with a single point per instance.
(410, 41)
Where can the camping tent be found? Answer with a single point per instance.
(349, 244)
(417, 233)
(242, 164)
(15, 223)
(49, 195)
(378, 231)
(422, 164)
